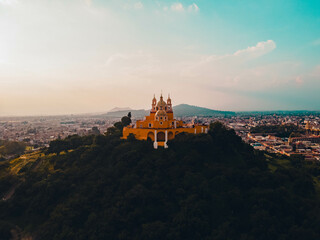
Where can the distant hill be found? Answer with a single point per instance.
(185, 110)
(118, 109)
(135, 113)
(182, 110)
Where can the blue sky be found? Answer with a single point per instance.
(78, 56)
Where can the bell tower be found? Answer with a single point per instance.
(169, 105)
(154, 104)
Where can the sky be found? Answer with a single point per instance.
(87, 56)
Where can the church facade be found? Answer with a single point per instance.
(161, 126)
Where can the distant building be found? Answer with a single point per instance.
(161, 126)
(312, 139)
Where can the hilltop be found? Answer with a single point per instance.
(118, 109)
(206, 186)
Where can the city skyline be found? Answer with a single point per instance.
(85, 56)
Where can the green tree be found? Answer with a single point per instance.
(58, 146)
(95, 131)
(118, 125)
(125, 121)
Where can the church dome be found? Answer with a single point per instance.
(161, 113)
(161, 105)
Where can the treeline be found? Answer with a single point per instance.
(278, 130)
(11, 147)
(71, 142)
(206, 186)
(74, 141)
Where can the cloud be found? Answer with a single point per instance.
(138, 5)
(88, 2)
(193, 8)
(135, 6)
(255, 51)
(177, 7)
(235, 70)
(238, 56)
(8, 2)
(222, 71)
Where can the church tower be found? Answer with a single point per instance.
(169, 105)
(154, 104)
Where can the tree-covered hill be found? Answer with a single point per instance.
(11, 148)
(208, 186)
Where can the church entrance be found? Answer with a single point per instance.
(151, 136)
(160, 137)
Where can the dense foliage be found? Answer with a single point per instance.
(206, 186)
(11, 147)
(71, 142)
(278, 130)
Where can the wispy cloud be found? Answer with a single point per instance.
(177, 7)
(138, 5)
(230, 70)
(135, 5)
(193, 8)
(96, 44)
(260, 49)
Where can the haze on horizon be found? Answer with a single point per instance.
(81, 56)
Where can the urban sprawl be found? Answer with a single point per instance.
(37, 132)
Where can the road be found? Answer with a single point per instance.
(269, 146)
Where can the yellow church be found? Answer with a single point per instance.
(161, 126)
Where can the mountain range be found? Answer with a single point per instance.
(182, 110)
